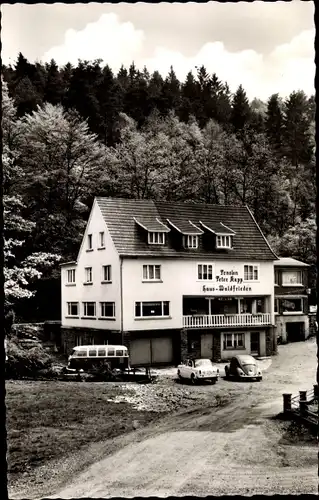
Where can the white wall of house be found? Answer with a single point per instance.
(180, 278)
(97, 291)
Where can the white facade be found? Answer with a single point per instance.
(99, 290)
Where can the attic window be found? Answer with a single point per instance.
(224, 241)
(190, 241)
(156, 238)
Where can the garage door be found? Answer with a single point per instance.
(151, 351)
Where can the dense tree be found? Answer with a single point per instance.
(240, 109)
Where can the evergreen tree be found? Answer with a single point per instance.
(241, 111)
(26, 97)
(274, 122)
(54, 88)
(189, 97)
(171, 91)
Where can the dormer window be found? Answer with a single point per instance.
(190, 241)
(223, 241)
(156, 238)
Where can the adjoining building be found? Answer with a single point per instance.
(291, 300)
(170, 280)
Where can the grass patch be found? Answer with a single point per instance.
(48, 420)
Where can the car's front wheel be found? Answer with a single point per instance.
(213, 381)
(179, 375)
(193, 379)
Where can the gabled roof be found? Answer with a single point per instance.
(184, 227)
(118, 213)
(151, 224)
(290, 262)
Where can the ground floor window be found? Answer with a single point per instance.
(234, 341)
(150, 309)
(107, 309)
(89, 309)
(73, 309)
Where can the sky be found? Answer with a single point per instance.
(266, 47)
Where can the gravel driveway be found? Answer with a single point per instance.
(235, 449)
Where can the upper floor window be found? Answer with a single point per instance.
(205, 271)
(292, 305)
(276, 277)
(90, 242)
(223, 242)
(251, 273)
(151, 309)
(155, 238)
(71, 276)
(291, 278)
(190, 241)
(151, 272)
(88, 275)
(107, 273)
(101, 240)
(89, 309)
(107, 309)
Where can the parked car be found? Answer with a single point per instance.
(198, 369)
(243, 367)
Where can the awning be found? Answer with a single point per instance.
(217, 228)
(151, 224)
(185, 227)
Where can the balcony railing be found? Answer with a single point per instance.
(222, 320)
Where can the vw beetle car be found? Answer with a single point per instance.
(198, 369)
(243, 367)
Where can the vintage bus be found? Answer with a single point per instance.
(86, 356)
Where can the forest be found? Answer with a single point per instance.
(72, 133)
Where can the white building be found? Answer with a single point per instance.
(170, 280)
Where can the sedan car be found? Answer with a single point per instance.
(243, 367)
(198, 369)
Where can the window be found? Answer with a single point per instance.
(88, 274)
(251, 273)
(276, 277)
(291, 278)
(276, 306)
(89, 309)
(156, 238)
(92, 352)
(101, 352)
(71, 275)
(120, 353)
(90, 242)
(111, 352)
(151, 272)
(291, 305)
(234, 341)
(190, 241)
(149, 309)
(223, 242)
(205, 271)
(73, 309)
(107, 309)
(78, 340)
(101, 240)
(107, 273)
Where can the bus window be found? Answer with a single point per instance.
(120, 353)
(92, 352)
(111, 352)
(101, 352)
(80, 354)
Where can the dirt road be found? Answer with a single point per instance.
(236, 449)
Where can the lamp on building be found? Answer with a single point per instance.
(308, 291)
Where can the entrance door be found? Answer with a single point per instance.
(255, 343)
(206, 346)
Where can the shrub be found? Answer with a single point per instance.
(23, 362)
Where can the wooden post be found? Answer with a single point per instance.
(287, 402)
(303, 401)
(316, 391)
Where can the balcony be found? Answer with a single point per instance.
(225, 321)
